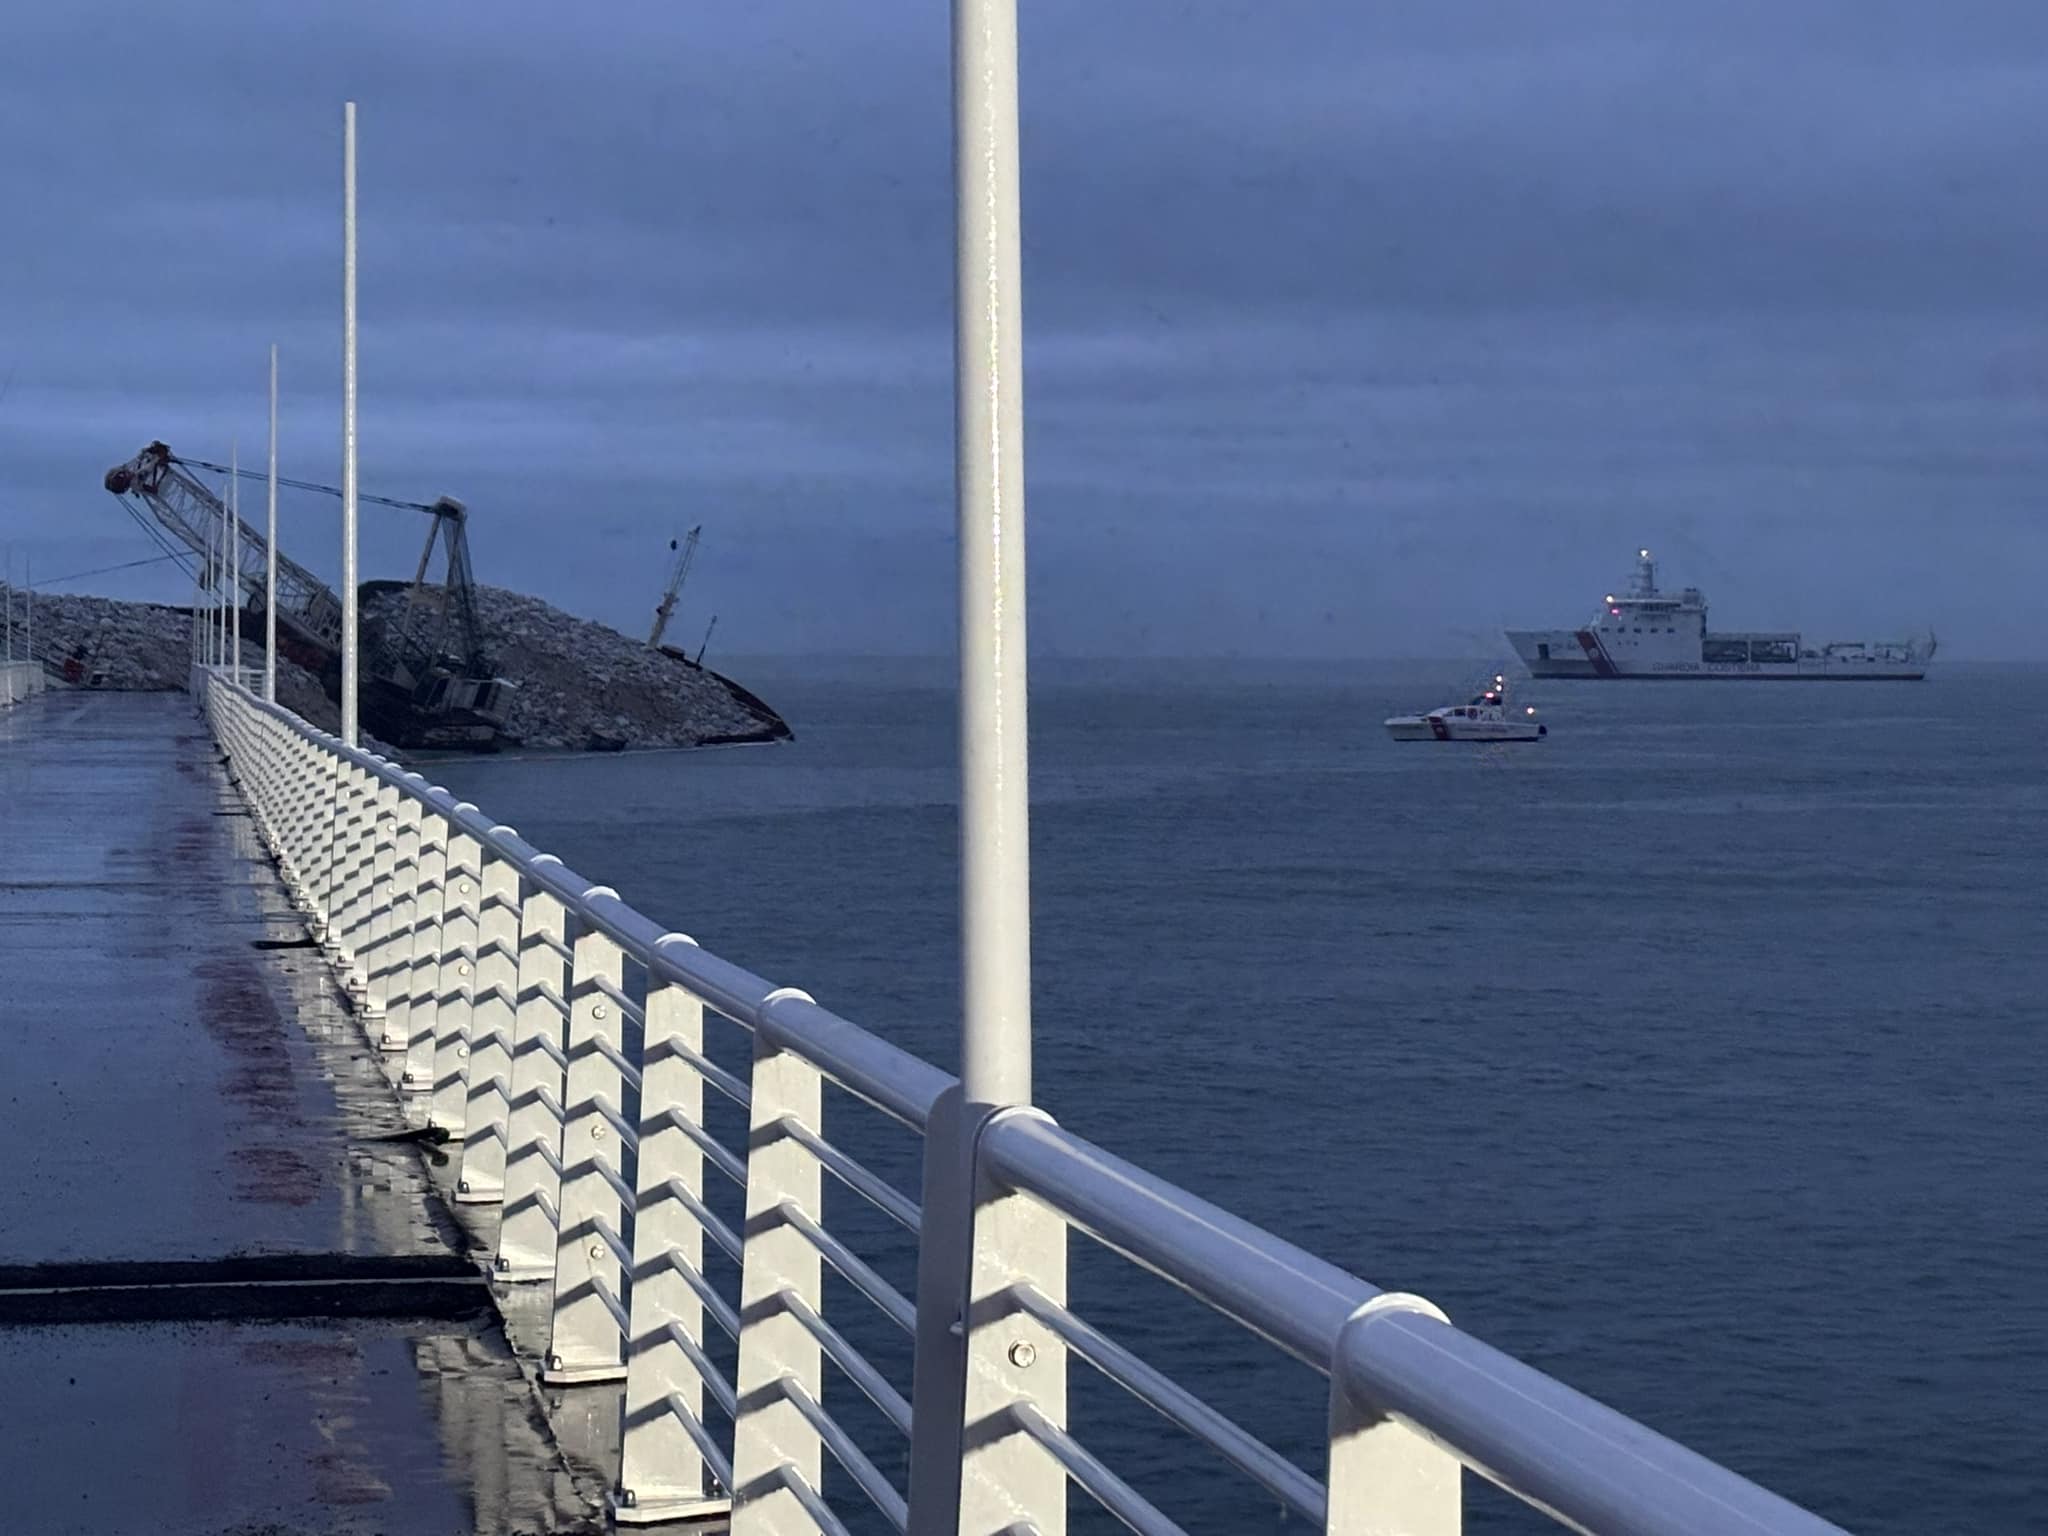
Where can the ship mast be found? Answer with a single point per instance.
(1646, 575)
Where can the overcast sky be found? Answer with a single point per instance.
(1351, 330)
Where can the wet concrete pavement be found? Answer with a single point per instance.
(174, 1084)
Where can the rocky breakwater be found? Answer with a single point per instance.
(99, 642)
(579, 685)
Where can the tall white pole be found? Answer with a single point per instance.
(212, 538)
(7, 592)
(988, 404)
(270, 551)
(348, 424)
(235, 554)
(28, 587)
(220, 566)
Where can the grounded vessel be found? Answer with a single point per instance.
(1648, 633)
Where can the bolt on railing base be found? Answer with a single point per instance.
(468, 1194)
(626, 1510)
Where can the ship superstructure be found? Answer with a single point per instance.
(1647, 632)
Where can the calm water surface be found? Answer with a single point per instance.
(1696, 1054)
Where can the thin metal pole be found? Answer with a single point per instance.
(7, 591)
(220, 566)
(988, 395)
(270, 552)
(235, 554)
(348, 424)
(212, 538)
(28, 589)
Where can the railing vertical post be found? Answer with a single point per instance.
(769, 1432)
(662, 1475)
(394, 958)
(1384, 1477)
(533, 1130)
(384, 816)
(422, 986)
(455, 983)
(482, 1175)
(347, 903)
(586, 1343)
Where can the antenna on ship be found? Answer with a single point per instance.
(1646, 575)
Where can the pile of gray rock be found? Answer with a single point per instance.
(100, 642)
(578, 685)
(582, 685)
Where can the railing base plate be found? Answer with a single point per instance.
(582, 1375)
(523, 1274)
(662, 1511)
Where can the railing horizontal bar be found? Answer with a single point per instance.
(625, 1004)
(819, 1511)
(1091, 1476)
(621, 1249)
(720, 1389)
(617, 1183)
(620, 1062)
(716, 1305)
(1277, 1290)
(721, 1234)
(894, 1304)
(552, 1105)
(547, 1154)
(721, 1158)
(1569, 1455)
(712, 1072)
(850, 1360)
(549, 1049)
(549, 941)
(880, 1491)
(627, 1131)
(712, 1452)
(883, 1196)
(547, 990)
(1251, 1456)
(612, 1305)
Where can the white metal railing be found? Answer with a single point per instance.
(560, 1035)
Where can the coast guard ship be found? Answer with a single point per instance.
(1648, 633)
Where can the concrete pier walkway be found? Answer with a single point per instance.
(182, 1082)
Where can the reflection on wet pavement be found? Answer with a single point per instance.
(186, 1082)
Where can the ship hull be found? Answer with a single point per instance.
(1585, 655)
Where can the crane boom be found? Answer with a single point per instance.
(418, 694)
(156, 483)
(451, 528)
(678, 573)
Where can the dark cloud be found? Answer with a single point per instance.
(1350, 331)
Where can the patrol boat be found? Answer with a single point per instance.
(1486, 718)
(1648, 633)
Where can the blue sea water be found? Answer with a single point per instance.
(1695, 1054)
